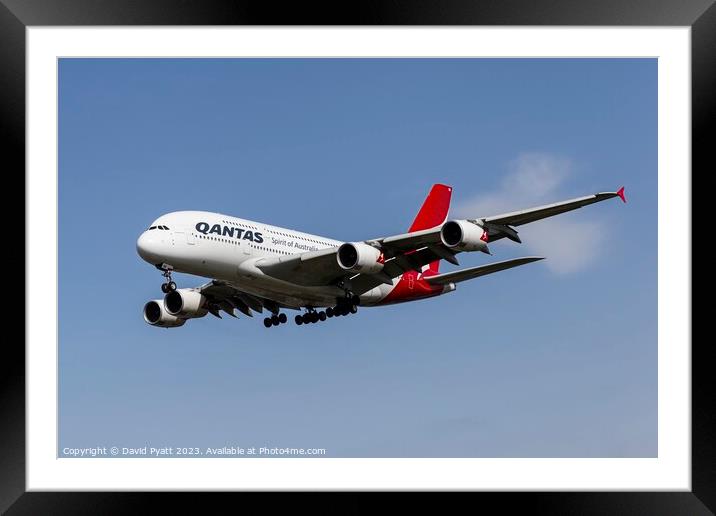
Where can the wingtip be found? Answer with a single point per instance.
(620, 193)
(530, 259)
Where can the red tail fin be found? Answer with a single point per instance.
(433, 212)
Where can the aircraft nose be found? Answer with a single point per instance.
(148, 247)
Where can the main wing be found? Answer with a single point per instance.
(221, 296)
(499, 226)
(411, 251)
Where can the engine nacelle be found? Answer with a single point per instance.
(185, 303)
(463, 235)
(359, 257)
(156, 315)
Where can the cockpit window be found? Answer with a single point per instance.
(153, 227)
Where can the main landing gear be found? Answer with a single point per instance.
(345, 306)
(275, 320)
(169, 285)
(310, 317)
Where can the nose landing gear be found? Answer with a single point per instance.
(168, 285)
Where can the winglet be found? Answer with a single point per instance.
(620, 193)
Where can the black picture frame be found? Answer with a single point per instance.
(16, 15)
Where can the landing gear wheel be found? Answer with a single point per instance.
(354, 309)
(329, 311)
(299, 320)
(274, 320)
(168, 285)
(267, 322)
(282, 318)
(322, 315)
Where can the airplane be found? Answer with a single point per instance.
(254, 266)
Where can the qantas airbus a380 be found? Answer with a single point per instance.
(254, 266)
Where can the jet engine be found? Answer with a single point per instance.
(156, 315)
(359, 257)
(185, 303)
(464, 235)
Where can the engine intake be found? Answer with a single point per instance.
(463, 235)
(156, 315)
(359, 257)
(185, 303)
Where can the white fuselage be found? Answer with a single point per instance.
(227, 248)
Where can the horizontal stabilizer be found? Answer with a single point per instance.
(482, 270)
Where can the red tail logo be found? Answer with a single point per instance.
(433, 212)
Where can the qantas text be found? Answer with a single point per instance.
(238, 233)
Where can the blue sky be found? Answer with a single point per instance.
(553, 359)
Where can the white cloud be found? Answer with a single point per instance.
(534, 179)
